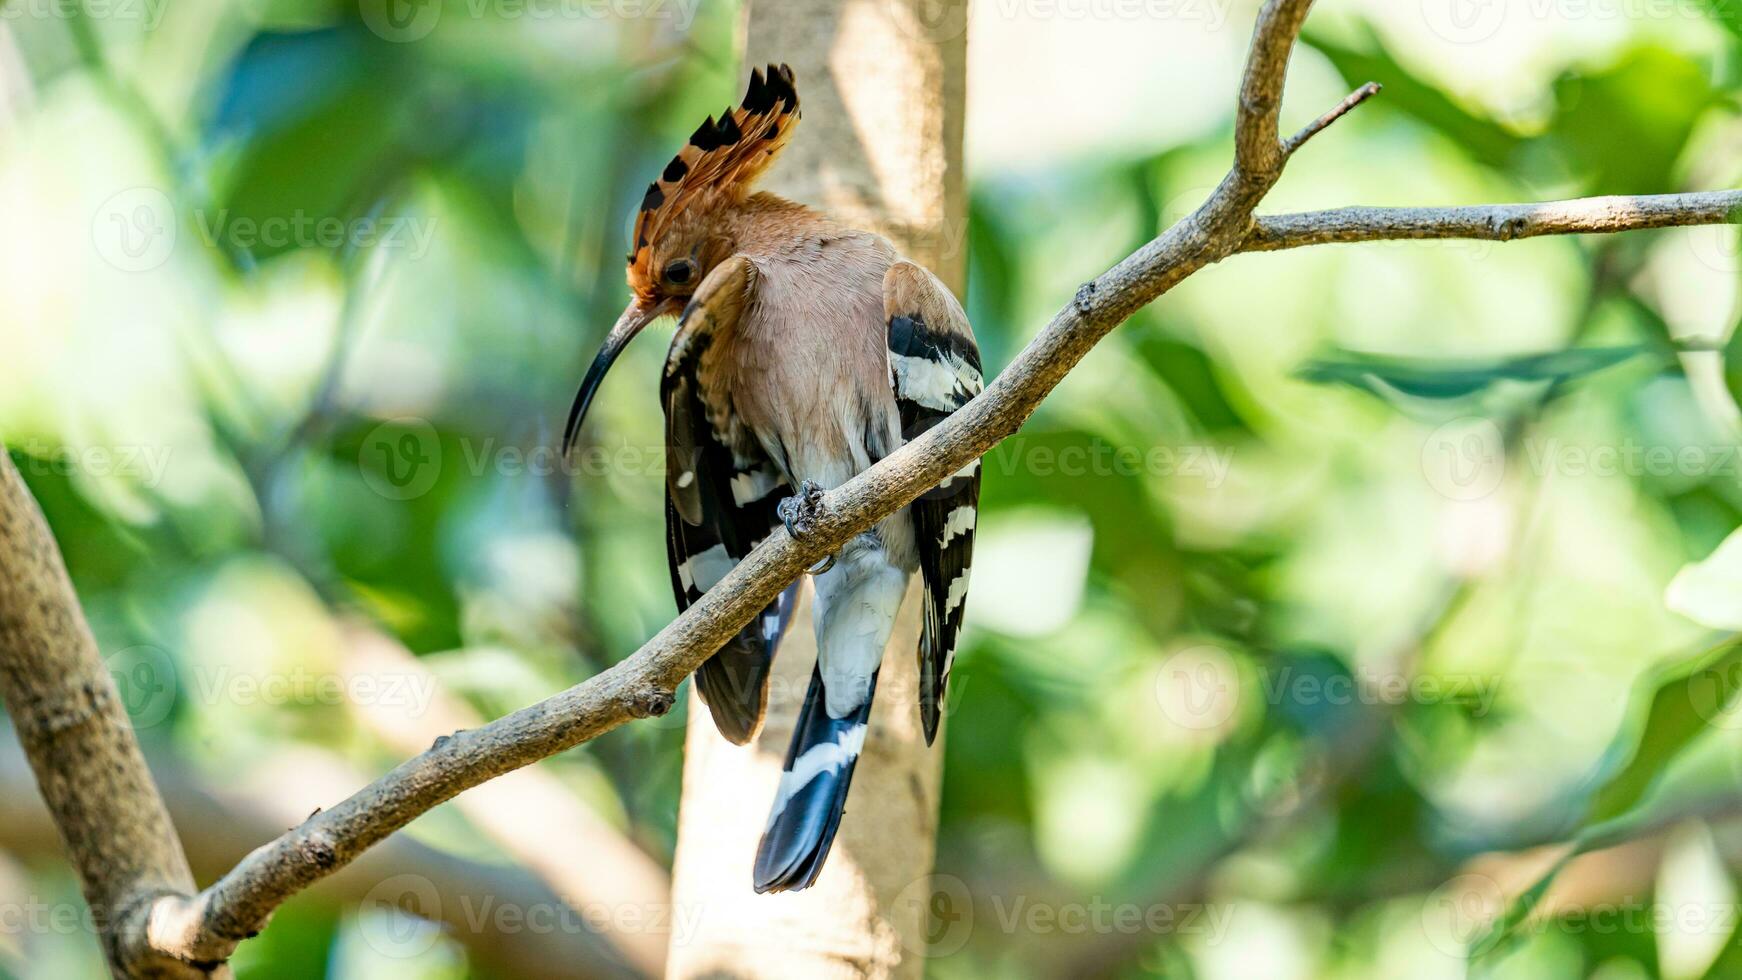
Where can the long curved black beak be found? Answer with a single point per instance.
(628, 325)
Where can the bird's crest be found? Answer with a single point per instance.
(721, 161)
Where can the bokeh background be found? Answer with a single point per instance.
(1336, 602)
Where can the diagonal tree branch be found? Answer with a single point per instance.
(207, 927)
(530, 816)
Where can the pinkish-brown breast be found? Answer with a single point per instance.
(810, 360)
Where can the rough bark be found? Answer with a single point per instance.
(1494, 222)
(74, 729)
(881, 147)
(208, 926)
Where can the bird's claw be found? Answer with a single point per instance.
(799, 512)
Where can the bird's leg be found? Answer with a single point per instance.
(798, 512)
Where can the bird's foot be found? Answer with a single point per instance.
(799, 513)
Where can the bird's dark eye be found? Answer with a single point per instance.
(679, 272)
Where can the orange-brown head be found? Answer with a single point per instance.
(679, 235)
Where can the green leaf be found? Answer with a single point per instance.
(1727, 13)
(1391, 377)
(1709, 591)
(1486, 141)
(1625, 126)
(1193, 376)
(1671, 707)
(1503, 934)
(1684, 698)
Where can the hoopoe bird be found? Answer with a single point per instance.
(805, 352)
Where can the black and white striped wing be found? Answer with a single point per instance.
(934, 368)
(720, 496)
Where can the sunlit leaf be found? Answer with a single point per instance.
(1193, 377)
(1504, 934)
(1727, 13)
(1680, 702)
(1709, 591)
(1625, 126)
(1392, 376)
(1672, 707)
(1485, 140)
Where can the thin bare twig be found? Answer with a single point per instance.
(1337, 112)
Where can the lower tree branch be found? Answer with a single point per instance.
(75, 731)
(482, 906)
(529, 814)
(208, 926)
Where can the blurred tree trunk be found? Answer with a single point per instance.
(881, 83)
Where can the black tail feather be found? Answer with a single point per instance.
(813, 792)
(733, 682)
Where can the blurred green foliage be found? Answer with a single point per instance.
(1323, 593)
